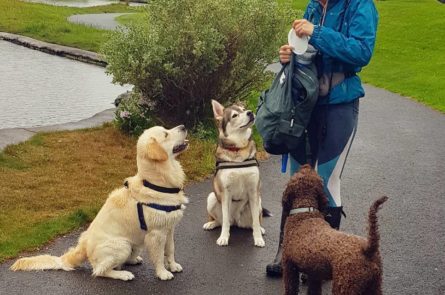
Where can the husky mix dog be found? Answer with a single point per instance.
(235, 199)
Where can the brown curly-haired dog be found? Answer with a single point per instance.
(311, 246)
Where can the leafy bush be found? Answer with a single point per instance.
(183, 53)
(132, 116)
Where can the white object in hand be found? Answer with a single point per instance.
(300, 44)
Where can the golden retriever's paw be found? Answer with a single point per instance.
(222, 241)
(137, 260)
(164, 275)
(263, 231)
(259, 242)
(175, 267)
(210, 225)
(124, 275)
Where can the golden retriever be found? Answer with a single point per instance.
(142, 213)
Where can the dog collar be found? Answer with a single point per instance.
(303, 210)
(165, 208)
(232, 148)
(165, 190)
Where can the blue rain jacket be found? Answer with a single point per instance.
(346, 51)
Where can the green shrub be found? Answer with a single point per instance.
(131, 116)
(183, 53)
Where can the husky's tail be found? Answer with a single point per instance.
(68, 261)
(373, 231)
(266, 213)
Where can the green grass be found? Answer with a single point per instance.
(409, 58)
(128, 18)
(49, 23)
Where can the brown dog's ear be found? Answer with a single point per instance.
(156, 152)
(287, 197)
(322, 199)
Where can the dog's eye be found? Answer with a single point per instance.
(166, 134)
(234, 116)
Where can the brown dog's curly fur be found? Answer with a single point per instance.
(311, 246)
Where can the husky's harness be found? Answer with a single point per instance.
(165, 208)
(252, 162)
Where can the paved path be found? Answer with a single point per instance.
(398, 151)
(105, 21)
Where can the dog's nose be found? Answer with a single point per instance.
(250, 114)
(182, 128)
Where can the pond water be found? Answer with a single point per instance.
(75, 3)
(38, 89)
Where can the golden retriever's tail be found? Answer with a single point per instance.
(68, 261)
(373, 231)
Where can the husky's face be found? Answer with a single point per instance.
(160, 144)
(234, 122)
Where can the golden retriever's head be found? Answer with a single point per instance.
(305, 189)
(160, 144)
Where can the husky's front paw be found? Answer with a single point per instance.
(259, 242)
(175, 267)
(222, 241)
(210, 225)
(164, 275)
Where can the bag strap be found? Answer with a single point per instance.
(339, 30)
(325, 125)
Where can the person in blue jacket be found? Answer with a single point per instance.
(343, 32)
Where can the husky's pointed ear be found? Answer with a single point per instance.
(156, 152)
(218, 110)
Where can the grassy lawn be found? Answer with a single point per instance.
(128, 18)
(48, 23)
(56, 182)
(409, 58)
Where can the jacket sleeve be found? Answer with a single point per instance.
(357, 48)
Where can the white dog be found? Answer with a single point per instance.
(235, 199)
(143, 212)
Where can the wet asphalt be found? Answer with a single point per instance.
(399, 151)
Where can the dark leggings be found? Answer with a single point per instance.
(331, 131)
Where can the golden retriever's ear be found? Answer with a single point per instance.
(156, 152)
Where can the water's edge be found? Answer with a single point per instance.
(10, 136)
(55, 49)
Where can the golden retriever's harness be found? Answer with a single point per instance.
(165, 208)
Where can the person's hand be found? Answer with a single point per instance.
(303, 27)
(285, 53)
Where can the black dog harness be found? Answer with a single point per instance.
(252, 162)
(165, 208)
